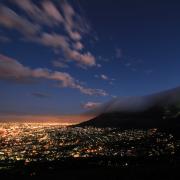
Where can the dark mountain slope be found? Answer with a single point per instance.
(161, 110)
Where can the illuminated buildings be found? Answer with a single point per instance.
(48, 142)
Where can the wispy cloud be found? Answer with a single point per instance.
(99, 65)
(70, 27)
(58, 63)
(11, 69)
(4, 39)
(118, 53)
(78, 46)
(128, 64)
(52, 12)
(105, 78)
(45, 14)
(91, 105)
(10, 19)
(61, 42)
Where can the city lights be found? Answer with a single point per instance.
(48, 142)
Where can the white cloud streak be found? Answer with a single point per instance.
(11, 69)
(104, 77)
(91, 105)
(59, 64)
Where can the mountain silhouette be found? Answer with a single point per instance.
(159, 110)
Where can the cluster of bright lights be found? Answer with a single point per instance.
(48, 141)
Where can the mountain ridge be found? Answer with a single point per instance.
(159, 110)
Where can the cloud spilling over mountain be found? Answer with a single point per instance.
(160, 110)
(139, 103)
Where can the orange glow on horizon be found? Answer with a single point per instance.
(62, 119)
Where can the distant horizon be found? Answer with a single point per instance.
(61, 119)
(68, 119)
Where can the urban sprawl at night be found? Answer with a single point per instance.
(48, 142)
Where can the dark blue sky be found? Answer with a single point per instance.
(106, 48)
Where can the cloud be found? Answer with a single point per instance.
(89, 91)
(55, 41)
(104, 77)
(59, 64)
(4, 39)
(74, 23)
(40, 95)
(11, 20)
(11, 69)
(51, 10)
(44, 16)
(91, 105)
(86, 59)
(118, 54)
(61, 42)
(70, 27)
(78, 46)
(128, 64)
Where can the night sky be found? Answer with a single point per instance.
(64, 57)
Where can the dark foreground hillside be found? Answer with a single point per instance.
(99, 168)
